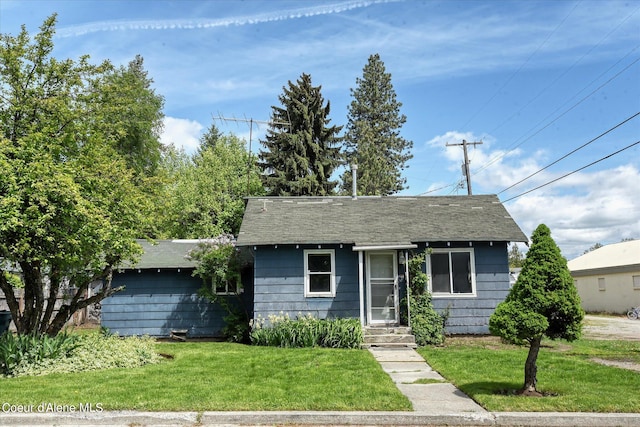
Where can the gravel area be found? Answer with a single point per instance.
(611, 328)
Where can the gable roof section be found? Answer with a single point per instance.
(164, 254)
(376, 221)
(615, 258)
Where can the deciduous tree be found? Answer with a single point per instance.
(301, 149)
(543, 302)
(373, 139)
(69, 211)
(206, 195)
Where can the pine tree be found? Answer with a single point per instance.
(301, 149)
(543, 302)
(373, 140)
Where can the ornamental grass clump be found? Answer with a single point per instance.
(19, 351)
(28, 355)
(306, 331)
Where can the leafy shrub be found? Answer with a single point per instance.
(219, 265)
(427, 325)
(307, 331)
(75, 353)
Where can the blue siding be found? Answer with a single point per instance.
(279, 284)
(153, 303)
(470, 315)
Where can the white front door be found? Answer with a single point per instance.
(382, 288)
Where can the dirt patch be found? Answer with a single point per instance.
(617, 363)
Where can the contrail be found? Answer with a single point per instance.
(204, 23)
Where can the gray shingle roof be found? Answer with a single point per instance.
(376, 220)
(165, 254)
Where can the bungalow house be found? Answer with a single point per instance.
(346, 256)
(161, 295)
(608, 278)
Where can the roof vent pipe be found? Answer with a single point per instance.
(354, 181)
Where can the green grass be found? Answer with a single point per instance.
(223, 377)
(489, 371)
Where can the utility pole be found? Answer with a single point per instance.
(466, 171)
(251, 122)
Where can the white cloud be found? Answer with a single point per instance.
(183, 133)
(584, 209)
(197, 24)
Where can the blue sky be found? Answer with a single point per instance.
(532, 80)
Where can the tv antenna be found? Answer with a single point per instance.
(250, 122)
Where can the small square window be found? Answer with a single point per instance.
(226, 289)
(319, 273)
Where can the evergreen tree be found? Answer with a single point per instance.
(543, 302)
(301, 149)
(134, 116)
(515, 256)
(209, 139)
(373, 139)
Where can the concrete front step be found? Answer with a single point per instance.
(385, 330)
(390, 337)
(389, 345)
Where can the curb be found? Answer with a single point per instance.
(128, 418)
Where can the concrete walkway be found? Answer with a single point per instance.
(406, 368)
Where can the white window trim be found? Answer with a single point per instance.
(635, 280)
(471, 252)
(237, 291)
(307, 291)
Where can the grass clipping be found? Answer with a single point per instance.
(94, 352)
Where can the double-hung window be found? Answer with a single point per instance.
(452, 272)
(319, 273)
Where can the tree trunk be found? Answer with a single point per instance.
(531, 368)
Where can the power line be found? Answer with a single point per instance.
(500, 156)
(571, 173)
(495, 159)
(441, 188)
(564, 73)
(570, 153)
(520, 68)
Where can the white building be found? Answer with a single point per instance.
(608, 278)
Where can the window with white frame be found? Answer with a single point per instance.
(636, 282)
(601, 284)
(226, 289)
(319, 273)
(452, 272)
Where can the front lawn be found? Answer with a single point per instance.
(489, 371)
(205, 376)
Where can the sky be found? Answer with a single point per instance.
(533, 81)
